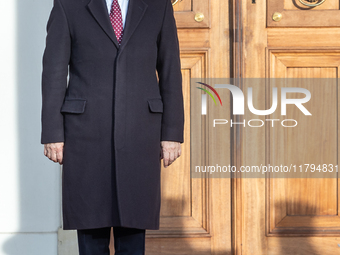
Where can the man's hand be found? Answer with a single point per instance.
(170, 151)
(54, 151)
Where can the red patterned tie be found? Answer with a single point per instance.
(117, 20)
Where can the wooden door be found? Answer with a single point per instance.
(195, 213)
(287, 39)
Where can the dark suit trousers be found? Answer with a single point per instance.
(127, 241)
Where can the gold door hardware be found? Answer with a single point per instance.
(174, 2)
(277, 16)
(312, 5)
(199, 17)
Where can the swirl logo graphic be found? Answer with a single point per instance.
(212, 89)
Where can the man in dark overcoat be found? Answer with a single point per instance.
(108, 119)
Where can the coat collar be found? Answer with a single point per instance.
(135, 12)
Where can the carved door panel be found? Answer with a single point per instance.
(195, 213)
(303, 13)
(282, 215)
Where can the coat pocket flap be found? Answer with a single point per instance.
(73, 105)
(155, 105)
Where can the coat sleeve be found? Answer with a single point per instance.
(170, 78)
(54, 75)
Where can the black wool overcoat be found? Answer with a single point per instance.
(112, 112)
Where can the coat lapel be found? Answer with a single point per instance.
(134, 15)
(99, 12)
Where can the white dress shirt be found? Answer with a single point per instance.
(123, 7)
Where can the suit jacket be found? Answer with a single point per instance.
(112, 113)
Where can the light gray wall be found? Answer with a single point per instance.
(29, 182)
